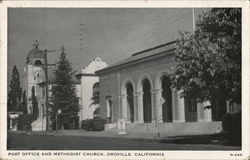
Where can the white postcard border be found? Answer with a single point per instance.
(130, 4)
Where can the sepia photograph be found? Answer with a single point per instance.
(135, 82)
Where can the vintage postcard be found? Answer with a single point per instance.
(124, 80)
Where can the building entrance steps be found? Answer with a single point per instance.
(180, 128)
(39, 124)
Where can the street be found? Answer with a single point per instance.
(22, 141)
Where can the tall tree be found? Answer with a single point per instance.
(15, 91)
(23, 106)
(34, 103)
(209, 60)
(64, 93)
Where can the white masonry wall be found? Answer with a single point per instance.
(88, 79)
(31, 80)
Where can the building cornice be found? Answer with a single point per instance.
(87, 74)
(134, 62)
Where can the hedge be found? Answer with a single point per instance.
(231, 124)
(95, 124)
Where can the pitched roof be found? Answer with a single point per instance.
(164, 48)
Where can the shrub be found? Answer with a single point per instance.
(24, 122)
(90, 125)
(84, 124)
(99, 124)
(231, 124)
(95, 124)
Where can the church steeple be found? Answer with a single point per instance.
(62, 49)
(35, 54)
(36, 44)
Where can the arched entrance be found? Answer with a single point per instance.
(147, 108)
(127, 100)
(130, 102)
(167, 99)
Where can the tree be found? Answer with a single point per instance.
(209, 60)
(23, 106)
(34, 103)
(64, 94)
(15, 91)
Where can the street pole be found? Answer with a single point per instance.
(42, 122)
(46, 88)
(158, 129)
(47, 92)
(56, 123)
(193, 16)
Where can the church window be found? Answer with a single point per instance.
(96, 97)
(38, 63)
(34, 77)
(38, 75)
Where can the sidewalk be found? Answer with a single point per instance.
(167, 138)
(163, 137)
(104, 134)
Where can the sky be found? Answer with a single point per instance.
(112, 34)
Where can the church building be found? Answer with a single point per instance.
(89, 90)
(34, 73)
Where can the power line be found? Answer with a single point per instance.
(115, 44)
(135, 27)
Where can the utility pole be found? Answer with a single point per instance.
(193, 16)
(46, 87)
(81, 36)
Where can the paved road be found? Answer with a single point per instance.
(22, 141)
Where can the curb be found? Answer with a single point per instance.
(111, 137)
(117, 136)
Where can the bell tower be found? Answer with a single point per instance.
(33, 72)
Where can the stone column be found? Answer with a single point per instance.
(208, 115)
(180, 108)
(124, 107)
(174, 105)
(139, 99)
(107, 109)
(208, 112)
(40, 112)
(135, 108)
(200, 112)
(158, 105)
(153, 104)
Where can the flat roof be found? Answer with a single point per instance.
(163, 48)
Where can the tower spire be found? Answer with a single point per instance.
(62, 49)
(36, 44)
(193, 16)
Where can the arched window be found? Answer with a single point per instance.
(95, 97)
(38, 63)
